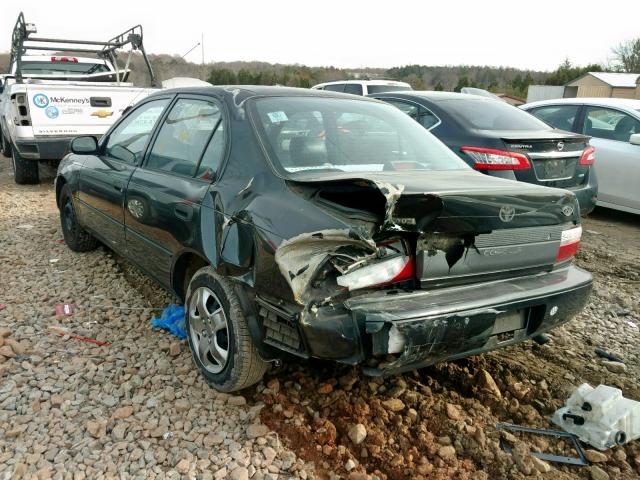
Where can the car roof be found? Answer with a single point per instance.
(433, 96)
(365, 82)
(243, 92)
(625, 103)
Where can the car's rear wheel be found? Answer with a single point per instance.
(76, 237)
(218, 336)
(25, 171)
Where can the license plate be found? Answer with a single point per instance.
(508, 322)
(555, 169)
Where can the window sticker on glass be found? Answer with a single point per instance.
(277, 117)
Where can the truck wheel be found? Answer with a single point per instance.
(76, 237)
(25, 171)
(220, 342)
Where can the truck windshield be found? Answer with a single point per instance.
(313, 134)
(62, 68)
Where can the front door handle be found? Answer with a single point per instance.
(184, 212)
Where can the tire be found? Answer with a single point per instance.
(215, 320)
(76, 237)
(25, 172)
(5, 146)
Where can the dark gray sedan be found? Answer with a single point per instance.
(298, 223)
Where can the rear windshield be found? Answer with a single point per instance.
(487, 114)
(386, 88)
(307, 134)
(62, 68)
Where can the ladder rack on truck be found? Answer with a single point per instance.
(22, 42)
(47, 99)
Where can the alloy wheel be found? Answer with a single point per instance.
(209, 330)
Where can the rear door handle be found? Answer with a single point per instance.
(118, 186)
(185, 212)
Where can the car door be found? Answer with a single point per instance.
(617, 160)
(164, 195)
(105, 175)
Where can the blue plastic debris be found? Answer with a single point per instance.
(172, 319)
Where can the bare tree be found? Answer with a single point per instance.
(627, 56)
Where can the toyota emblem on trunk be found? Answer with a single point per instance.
(507, 213)
(560, 145)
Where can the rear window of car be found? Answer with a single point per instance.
(62, 68)
(307, 134)
(386, 88)
(486, 114)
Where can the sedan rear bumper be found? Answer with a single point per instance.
(429, 326)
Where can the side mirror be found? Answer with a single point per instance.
(85, 145)
(634, 139)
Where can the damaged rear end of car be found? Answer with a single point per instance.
(420, 277)
(424, 259)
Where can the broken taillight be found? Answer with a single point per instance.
(383, 272)
(492, 159)
(569, 242)
(395, 265)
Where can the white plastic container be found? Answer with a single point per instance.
(600, 416)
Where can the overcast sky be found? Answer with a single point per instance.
(535, 34)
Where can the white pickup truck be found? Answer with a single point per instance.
(47, 100)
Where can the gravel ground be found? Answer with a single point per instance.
(136, 408)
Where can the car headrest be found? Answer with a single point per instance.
(307, 151)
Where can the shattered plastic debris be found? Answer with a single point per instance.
(300, 257)
(172, 319)
(600, 416)
(63, 310)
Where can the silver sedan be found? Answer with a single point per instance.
(614, 127)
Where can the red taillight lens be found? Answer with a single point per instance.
(588, 156)
(569, 243)
(492, 159)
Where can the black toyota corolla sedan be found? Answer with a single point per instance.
(300, 223)
(501, 140)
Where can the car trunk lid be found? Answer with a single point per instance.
(554, 156)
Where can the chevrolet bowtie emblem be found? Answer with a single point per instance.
(102, 113)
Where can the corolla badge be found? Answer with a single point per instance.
(560, 145)
(507, 213)
(567, 210)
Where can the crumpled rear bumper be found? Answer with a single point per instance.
(447, 323)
